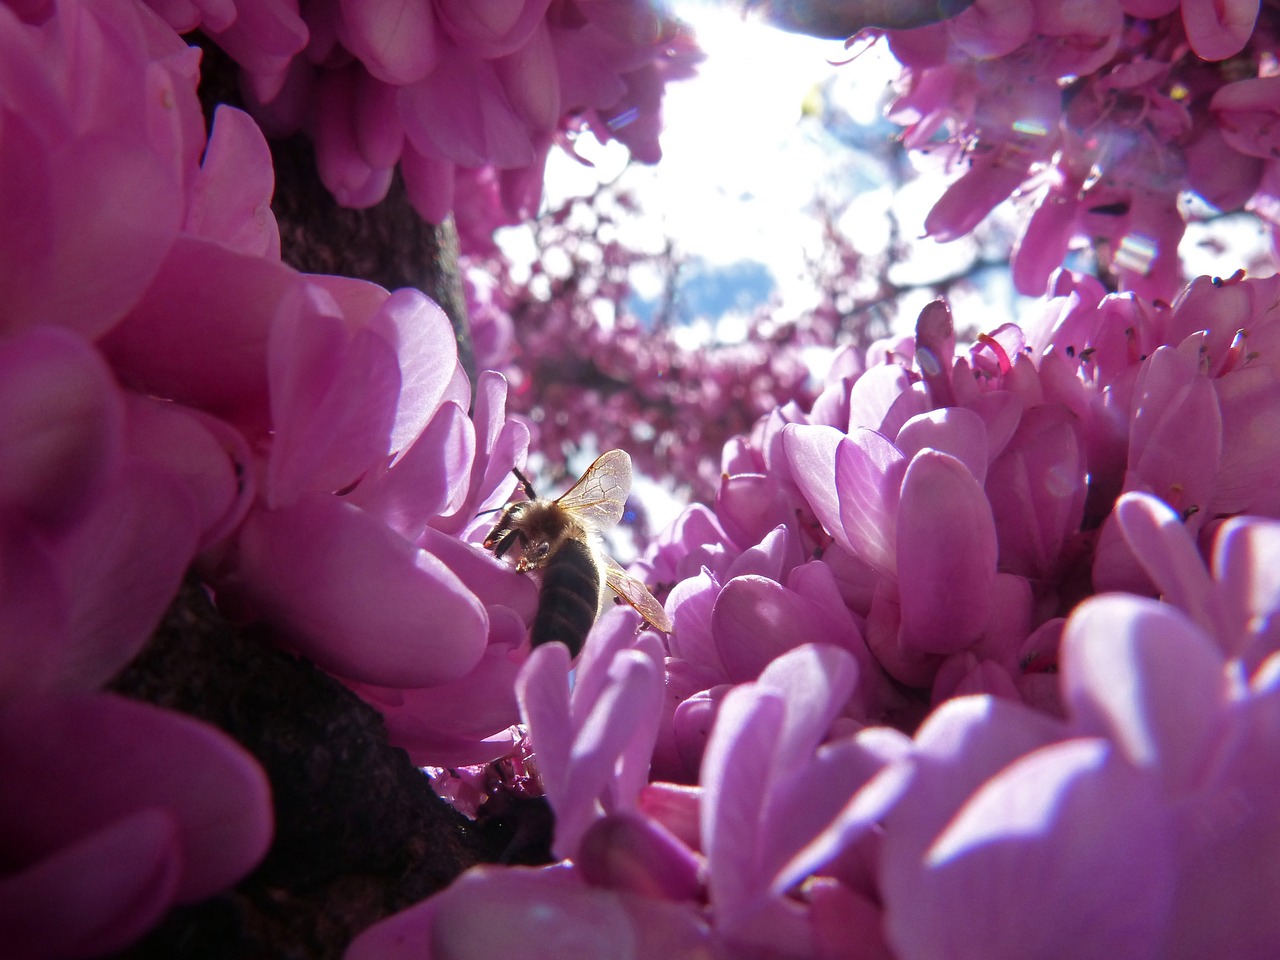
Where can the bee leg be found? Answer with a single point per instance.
(525, 485)
(506, 540)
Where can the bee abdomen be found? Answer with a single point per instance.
(569, 599)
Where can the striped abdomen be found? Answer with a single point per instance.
(569, 599)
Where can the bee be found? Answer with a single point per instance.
(559, 538)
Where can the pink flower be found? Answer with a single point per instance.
(112, 812)
(1140, 124)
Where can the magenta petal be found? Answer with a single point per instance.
(966, 203)
(491, 29)
(749, 505)
(333, 398)
(342, 164)
(1045, 239)
(209, 457)
(952, 430)
(356, 597)
(121, 567)
(461, 722)
(532, 82)
(111, 757)
(107, 206)
(96, 895)
(262, 39)
(869, 472)
(1218, 29)
(807, 802)
(61, 418)
(1249, 400)
(946, 541)
(34, 640)
(691, 602)
(200, 333)
(379, 132)
(815, 682)
(1246, 563)
(1039, 483)
(394, 39)
(460, 113)
(429, 182)
(1176, 436)
(1064, 833)
(230, 199)
(637, 855)
(986, 31)
(755, 620)
(429, 480)
(874, 394)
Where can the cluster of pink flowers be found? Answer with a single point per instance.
(447, 90)
(885, 724)
(1105, 110)
(174, 397)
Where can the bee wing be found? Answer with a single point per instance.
(637, 594)
(600, 495)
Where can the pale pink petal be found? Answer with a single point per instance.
(542, 690)
(1141, 674)
(869, 472)
(736, 759)
(811, 452)
(998, 883)
(428, 480)
(952, 430)
(424, 341)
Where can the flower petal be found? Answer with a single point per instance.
(357, 598)
(946, 545)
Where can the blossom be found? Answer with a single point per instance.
(444, 93)
(1140, 124)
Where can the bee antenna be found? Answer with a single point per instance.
(525, 485)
